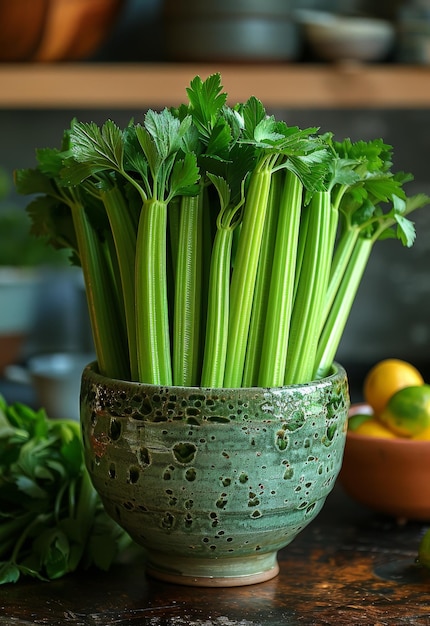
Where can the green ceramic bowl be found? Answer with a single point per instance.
(213, 482)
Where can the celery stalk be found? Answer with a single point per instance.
(106, 320)
(218, 310)
(188, 289)
(261, 295)
(245, 271)
(124, 235)
(217, 296)
(339, 313)
(314, 273)
(152, 319)
(341, 259)
(280, 304)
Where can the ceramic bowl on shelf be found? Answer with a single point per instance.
(225, 31)
(18, 294)
(334, 37)
(390, 476)
(56, 379)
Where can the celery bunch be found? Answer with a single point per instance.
(219, 246)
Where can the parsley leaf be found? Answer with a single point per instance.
(51, 519)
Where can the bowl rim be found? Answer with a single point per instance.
(337, 375)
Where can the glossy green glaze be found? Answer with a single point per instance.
(213, 482)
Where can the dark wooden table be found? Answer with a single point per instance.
(350, 566)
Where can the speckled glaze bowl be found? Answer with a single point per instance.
(213, 482)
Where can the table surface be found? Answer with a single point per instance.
(349, 566)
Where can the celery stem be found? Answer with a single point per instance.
(342, 304)
(262, 284)
(341, 258)
(314, 274)
(153, 335)
(218, 310)
(106, 321)
(124, 235)
(188, 290)
(244, 273)
(280, 304)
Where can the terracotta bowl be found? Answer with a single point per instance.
(391, 476)
(54, 30)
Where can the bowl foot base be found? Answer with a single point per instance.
(210, 572)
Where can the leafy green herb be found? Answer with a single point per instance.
(18, 248)
(371, 205)
(219, 245)
(51, 518)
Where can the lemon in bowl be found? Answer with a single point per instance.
(386, 473)
(387, 377)
(407, 412)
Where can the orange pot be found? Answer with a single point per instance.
(54, 30)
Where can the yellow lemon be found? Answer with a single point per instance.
(373, 428)
(408, 411)
(386, 378)
(424, 435)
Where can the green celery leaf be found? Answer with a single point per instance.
(134, 158)
(363, 213)
(9, 572)
(167, 132)
(149, 148)
(266, 132)
(29, 181)
(342, 172)
(253, 113)
(71, 454)
(206, 101)
(76, 172)
(51, 161)
(223, 189)
(54, 549)
(405, 230)
(105, 542)
(101, 147)
(220, 138)
(185, 176)
(383, 187)
(376, 154)
(235, 122)
(52, 219)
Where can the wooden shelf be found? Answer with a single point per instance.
(127, 86)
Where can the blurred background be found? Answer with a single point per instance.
(391, 316)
